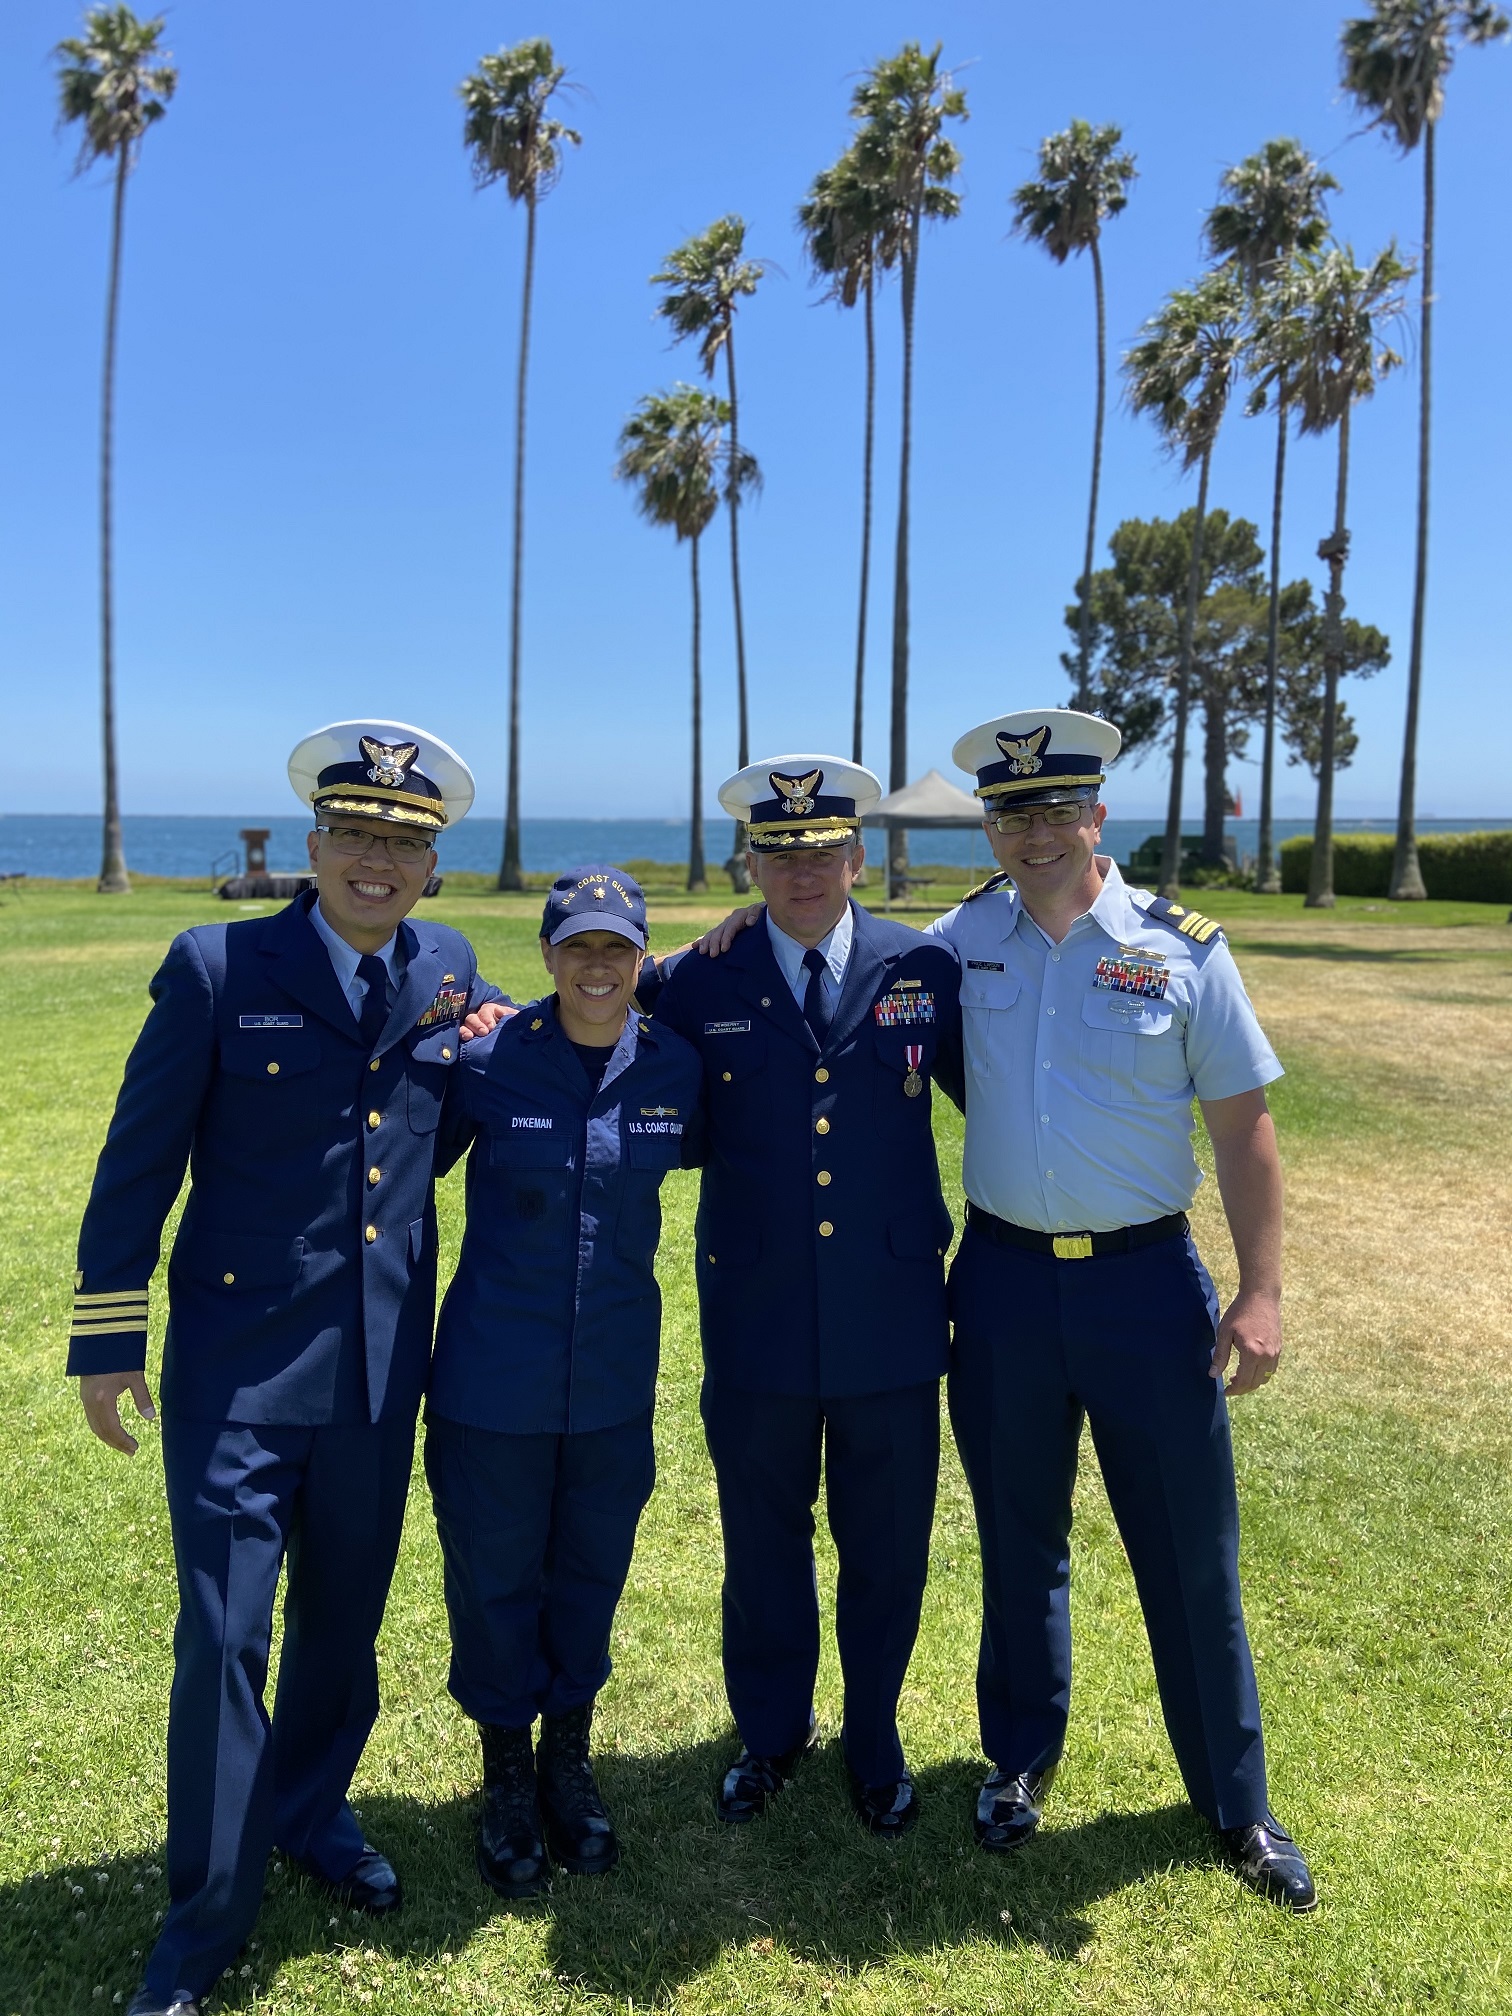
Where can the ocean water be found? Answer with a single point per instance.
(68, 844)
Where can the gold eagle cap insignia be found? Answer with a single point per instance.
(388, 761)
(1023, 752)
(797, 793)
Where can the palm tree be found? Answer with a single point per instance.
(1083, 179)
(1396, 59)
(900, 108)
(512, 139)
(705, 279)
(1181, 371)
(676, 449)
(1270, 209)
(114, 82)
(850, 228)
(1324, 338)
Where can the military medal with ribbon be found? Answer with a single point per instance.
(913, 1084)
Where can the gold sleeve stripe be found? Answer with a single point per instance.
(116, 1295)
(90, 1309)
(124, 1327)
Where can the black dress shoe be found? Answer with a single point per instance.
(752, 1783)
(579, 1832)
(371, 1887)
(511, 1854)
(1269, 1861)
(147, 2002)
(887, 1810)
(1008, 1808)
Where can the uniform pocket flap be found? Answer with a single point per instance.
(529, 1141)
(983, 987)
(1125, 1011)
(440, 1046)
(734, 1057)
(920, 1238)
(734, 1244)
(234, 1260)
(654, 1144)
(269, 1053)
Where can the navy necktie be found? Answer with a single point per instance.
(375, 1002)
(816, 1008)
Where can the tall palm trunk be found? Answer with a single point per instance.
(696, 876)
(1335, 550)
(510, 875)
(1215, 798)
(739, 875)
(1407, 884)
(1170, 853)
(866, 520)
(114, 880)
(1084, 638)
(1267, 871)
(897, 768)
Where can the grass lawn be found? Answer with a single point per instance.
(1376, 1485)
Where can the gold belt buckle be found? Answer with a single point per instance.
(1073, 1246)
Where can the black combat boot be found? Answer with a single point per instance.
(579, 1831)
(511, 1853)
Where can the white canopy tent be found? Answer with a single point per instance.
(931, 802)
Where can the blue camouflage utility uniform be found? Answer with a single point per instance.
(1082, 1061)
(301, 1299)
(538, 1438)
(821, 1241)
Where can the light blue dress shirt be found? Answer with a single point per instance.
(1079, 1087)
(344, 958)
(834, 949)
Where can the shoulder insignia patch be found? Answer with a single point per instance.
(1190, 923)
(1002, 879)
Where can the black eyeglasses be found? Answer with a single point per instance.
(353, 840)
(1053, 815)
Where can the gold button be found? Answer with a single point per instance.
(821, 1076)
(726, 1076)
(711, 1259)
(228, 1279)
(825, 1177)
(821, 1126)
(374, 1065)
(374, 1174)
(272, 1070)
(372, 1234)
(374, 1118)
(825, 1228)
(445, 1052)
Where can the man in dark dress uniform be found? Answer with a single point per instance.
(296, 1064)
(821, 1242)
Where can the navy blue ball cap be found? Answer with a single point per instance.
(595, 899)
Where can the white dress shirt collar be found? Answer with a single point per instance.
(834, 948)
(345, 957)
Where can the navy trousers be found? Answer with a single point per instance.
(536, 1537)
(239, 1500)
(881, 1460)
(1125, 1340)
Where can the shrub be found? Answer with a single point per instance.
(1457, 867)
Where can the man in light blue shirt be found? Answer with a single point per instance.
(1093, 1015)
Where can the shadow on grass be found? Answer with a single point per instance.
(1348, 955)
(806, 1882)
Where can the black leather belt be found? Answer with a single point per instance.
(1076, 1245)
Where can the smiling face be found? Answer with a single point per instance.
(1054, 866)
(596, 973)
(807, 889)
(364, 896)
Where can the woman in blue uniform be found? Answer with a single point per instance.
(538, 1443)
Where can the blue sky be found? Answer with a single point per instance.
(317, 352)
